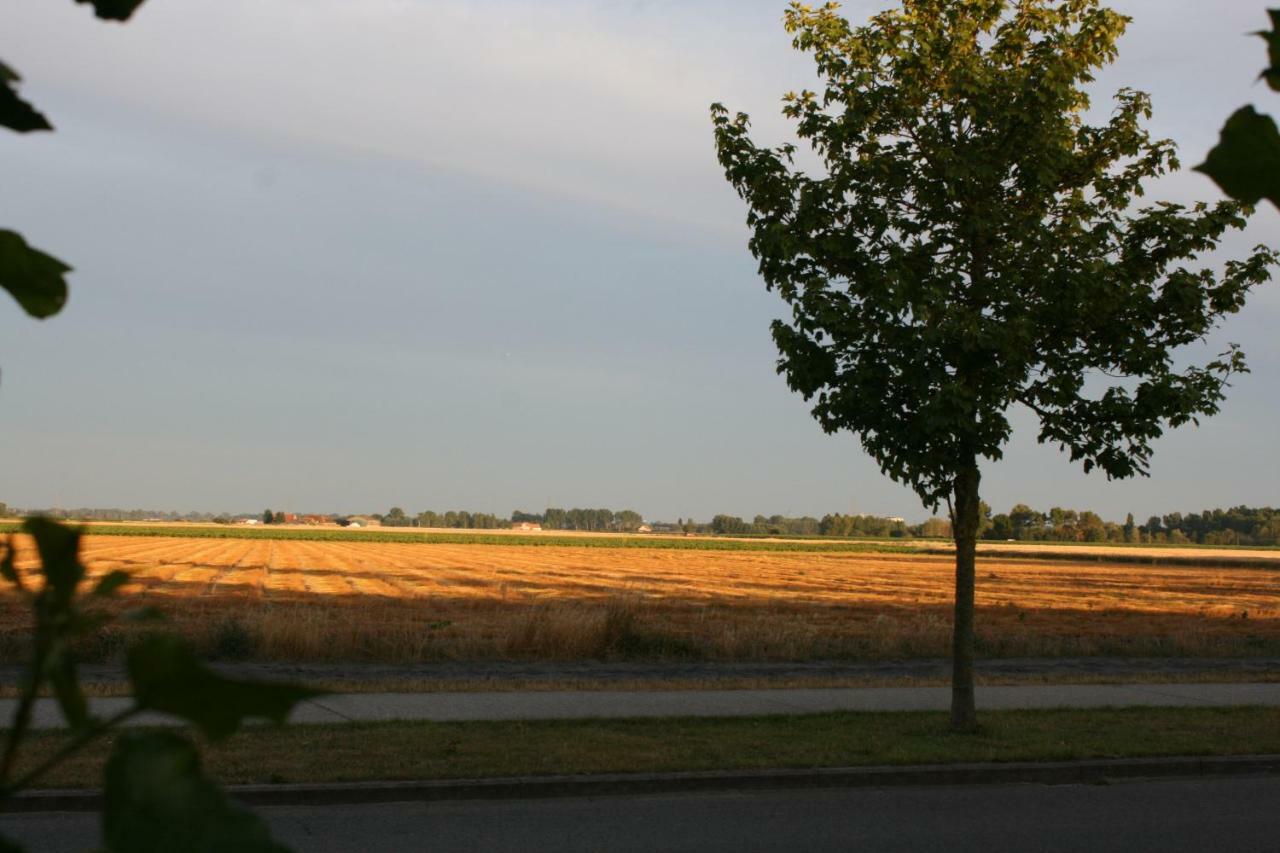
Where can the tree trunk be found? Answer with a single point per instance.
(965, 528)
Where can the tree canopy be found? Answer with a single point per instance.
(972, 241)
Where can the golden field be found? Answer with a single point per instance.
(342, 600)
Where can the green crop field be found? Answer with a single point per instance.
(321, 534)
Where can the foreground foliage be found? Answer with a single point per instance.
(156, 795)
(35, 279)
(1246, 161)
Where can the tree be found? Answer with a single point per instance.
(1001, 528)
(627, 520)
(936, 527)
(970, 243)
(729, 524)
(278, 518)
(268, 517)
(1026, 522)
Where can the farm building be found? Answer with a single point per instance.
(525, 525)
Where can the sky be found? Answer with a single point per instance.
(336, 256)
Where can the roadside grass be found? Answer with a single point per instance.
(494, 684)
(423, 750)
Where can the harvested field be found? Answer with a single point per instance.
(341, 600)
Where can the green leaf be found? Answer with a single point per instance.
(156, 798)
(1246, 161)
(32, 277)
(7, 569)
(58, 546)
(109, 583)
(1272, 38)
(15, 113)
(113, 10)
(60, 669)
(167, 677)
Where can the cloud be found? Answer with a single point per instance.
(607, 104)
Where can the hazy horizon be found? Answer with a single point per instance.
(481, 256)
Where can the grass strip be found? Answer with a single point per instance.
(424, 750)
(491, 684)
(330, 535)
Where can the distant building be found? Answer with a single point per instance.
(364, 521)
(644, 528)
(526, 525)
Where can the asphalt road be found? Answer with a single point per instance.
(1185, 815)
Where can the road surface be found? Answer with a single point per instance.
(1236, 814)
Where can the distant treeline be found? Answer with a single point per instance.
(1239, 525)
(806, 525)
(601, 520)
(114, 514)
(455, 518)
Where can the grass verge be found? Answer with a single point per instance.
(491, 684)
(423, 750)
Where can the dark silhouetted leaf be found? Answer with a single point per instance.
(60, 669)
(8, 846)
(1246, 161)
(113, 10)
(15, 113)
(1272, 38)
(7, 569)
(34, 278)
(156, 799)
(110, 582)
(168, 677)
(59, 548)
